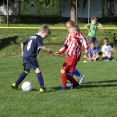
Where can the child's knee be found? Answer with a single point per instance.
(37, 70)
(85, 56)
(62, 71)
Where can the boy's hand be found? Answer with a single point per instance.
(50, 51)
(56, 53)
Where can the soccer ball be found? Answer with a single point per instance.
(27, 86)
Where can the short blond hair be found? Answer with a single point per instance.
(45, 29)
(74, 28)
(70, 22)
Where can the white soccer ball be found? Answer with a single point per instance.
(27, 86)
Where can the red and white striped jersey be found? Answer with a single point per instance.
(73, 45)
(83, 40)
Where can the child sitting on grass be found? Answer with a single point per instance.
(92, 53)
(107, 51)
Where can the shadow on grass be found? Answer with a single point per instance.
(98, 86)
(105, 81)
(95, 84)
(7, 41)
(55, 88)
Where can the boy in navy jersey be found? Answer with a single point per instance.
(29, 53)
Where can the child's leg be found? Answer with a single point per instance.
(97, 43)
(75, 72)
(63, 78)
(86, 57)
(71, 79)
(75, 83)
(111, 59)
(21, 77)
(96, 57)
(39, 77)
(105, 58)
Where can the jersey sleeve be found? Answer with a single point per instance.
(25, 42)
(83, 40)
(40, 43)
(89, 51)
(65, 46)
(63, 49)
(96, 50)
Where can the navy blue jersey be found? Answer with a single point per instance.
(32, 49)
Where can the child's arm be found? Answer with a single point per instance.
(46, 49)
(22, 49)
(99, 25)
(89, 56)
(62, 50)
(109, 56)
(87, 27)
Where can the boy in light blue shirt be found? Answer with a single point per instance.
(92, 53)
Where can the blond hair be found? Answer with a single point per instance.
(74, 28)
(45, 29)
(70, 22)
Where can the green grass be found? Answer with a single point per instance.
(10, 40)
(59, 24)
(96, 97)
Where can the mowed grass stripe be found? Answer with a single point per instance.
(56, 28)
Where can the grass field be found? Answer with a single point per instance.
(96, 97)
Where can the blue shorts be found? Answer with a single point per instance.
(31, 65)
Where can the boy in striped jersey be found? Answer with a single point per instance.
(84, 43)
(72, 48)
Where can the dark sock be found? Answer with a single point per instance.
(71, 79)
(40, 79)
(76, 72)
(21, 77)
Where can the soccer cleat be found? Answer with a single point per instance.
(14, 86)
(81, 79)
(42, 90)
(63, 88)
(74, 86)
(68, 83)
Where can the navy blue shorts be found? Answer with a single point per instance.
(106, 58)
(31, 65)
